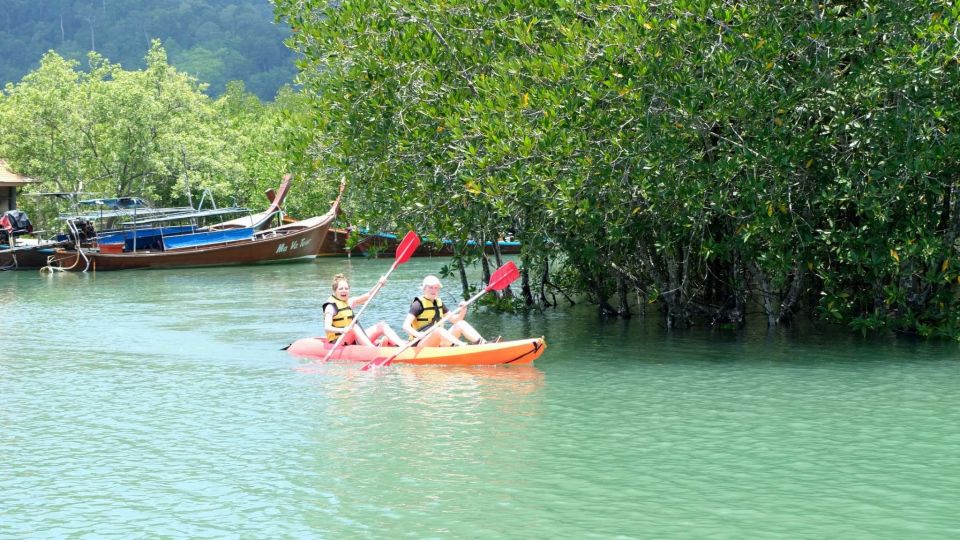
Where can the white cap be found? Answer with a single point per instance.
(431, 281)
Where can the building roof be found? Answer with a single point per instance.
(9, 178)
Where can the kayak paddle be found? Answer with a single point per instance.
(505, 275)
(405, 250)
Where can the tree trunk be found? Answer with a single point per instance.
(677, 311)
(484, 267)
(785, 314)
(464, 283)
(766, 294)
(544, 278)
(606, 310)
(525, 282)
(738, 314)
(624, 310)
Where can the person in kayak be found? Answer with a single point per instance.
(338, 314)
(426, 310)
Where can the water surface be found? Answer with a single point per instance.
(159, 404)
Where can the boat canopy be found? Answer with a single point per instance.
(192, 214)
(134, 212)
(116, 203)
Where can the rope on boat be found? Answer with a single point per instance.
(50, 268)
(13, 265)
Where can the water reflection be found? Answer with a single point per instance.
(416, 444)
(522, 379)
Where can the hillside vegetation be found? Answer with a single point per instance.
(216, 41)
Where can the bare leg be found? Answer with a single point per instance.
(464, 328)
(441, 337)
(374, 333)
(357, 335)
(383, 329)
(449, 337)
(433, 340)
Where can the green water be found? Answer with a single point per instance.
(158, 404)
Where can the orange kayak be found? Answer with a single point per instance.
(520, 351)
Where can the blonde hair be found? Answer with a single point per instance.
(337, 279)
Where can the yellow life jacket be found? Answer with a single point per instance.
(341, 319)
(433, 311)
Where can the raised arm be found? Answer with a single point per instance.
(362, 299)
(459, 313)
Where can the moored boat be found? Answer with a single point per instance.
(290, 242)
(229, 243)
(520, 351)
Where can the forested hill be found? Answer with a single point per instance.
(216, 41)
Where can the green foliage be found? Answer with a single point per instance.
(796, 152)
(112, 132)
(214, 40)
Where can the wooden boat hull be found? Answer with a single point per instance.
(520, 351)
(291, 242)
(334, 243)
(24, 259)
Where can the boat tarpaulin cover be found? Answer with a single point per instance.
(207, 238)
(124, 236)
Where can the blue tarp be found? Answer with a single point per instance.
(206, 238)
(145, 238)
(142, 235)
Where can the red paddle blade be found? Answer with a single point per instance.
(407, 246)
(504, 276)
(373, 363)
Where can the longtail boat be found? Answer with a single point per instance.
(291, 242)
(520, 351)
(229, 243)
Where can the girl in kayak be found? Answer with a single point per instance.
(428, 309)
(338, 314)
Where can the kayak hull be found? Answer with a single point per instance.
(520, 351)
